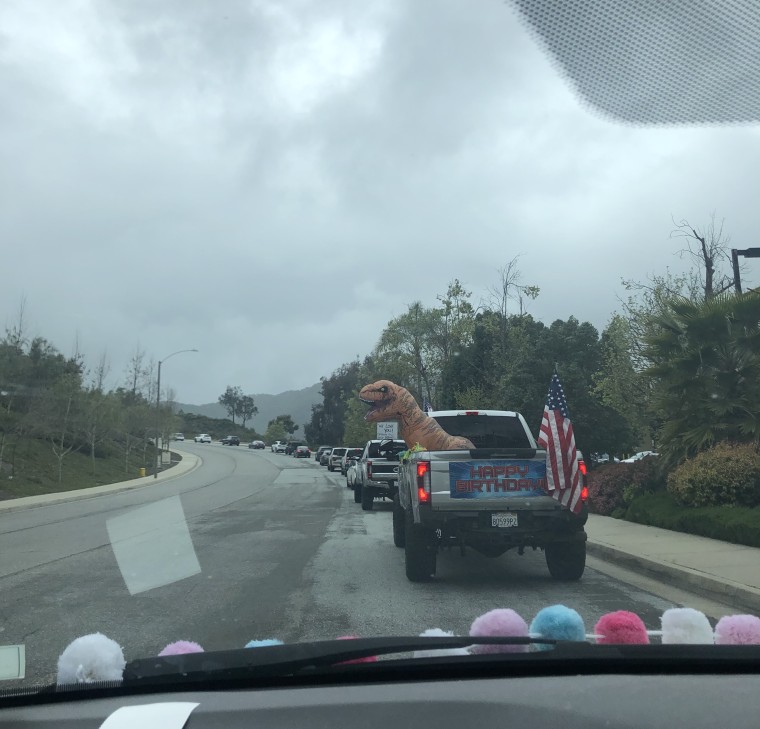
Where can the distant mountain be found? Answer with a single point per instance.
(296, 403)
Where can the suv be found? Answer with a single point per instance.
(333, 461)
(290, 448)
(320, 451)
(278, 447)
(345, 460)
(231, 440)
(178, 436)
(203, 438)
(378, 472)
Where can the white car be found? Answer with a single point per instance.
(178, 436)
(639, 456)
(279, 447)
(203, 438)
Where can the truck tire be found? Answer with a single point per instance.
(368, 498)
(399, 533)
(566, 562)
(329, 467)
(419, 550)
(357, 493)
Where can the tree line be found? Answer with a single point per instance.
(676, 368)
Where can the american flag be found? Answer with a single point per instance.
(563, 476)
(426, 406)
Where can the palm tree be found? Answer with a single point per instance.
(705, 363)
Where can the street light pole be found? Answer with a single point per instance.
(158, 405)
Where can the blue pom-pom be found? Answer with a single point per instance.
(557, 622)
(263, 643)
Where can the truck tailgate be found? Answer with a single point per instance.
(464, 482)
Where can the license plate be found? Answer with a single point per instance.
(504, 520)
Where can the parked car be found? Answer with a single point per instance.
(178, 436)
(203, 438)
(639, 456)
(257, 444)
(350, 453)
(320, 451)
(302, 451)
(335, 455)
(231, 440)
(290, 448)
(324, 459)
(353, 472)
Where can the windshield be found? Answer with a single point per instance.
(289, 224)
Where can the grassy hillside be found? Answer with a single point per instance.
(30, 468)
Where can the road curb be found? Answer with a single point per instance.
(683, 577)
(188, 464)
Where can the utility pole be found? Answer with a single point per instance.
(158, 406)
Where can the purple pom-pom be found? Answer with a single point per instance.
(180, 647)
(738, 630)
(499, 622)
(621, 627)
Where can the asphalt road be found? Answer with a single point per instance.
(280, 550)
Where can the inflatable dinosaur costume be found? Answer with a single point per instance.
(389, 401)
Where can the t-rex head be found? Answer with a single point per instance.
(387, 401)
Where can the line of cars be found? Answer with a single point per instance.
(371, 471)
(294, 448)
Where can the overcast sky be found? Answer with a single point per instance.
(270, 182)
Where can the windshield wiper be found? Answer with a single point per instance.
(289, 659)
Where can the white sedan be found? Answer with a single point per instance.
(639, 456)
(203, 438)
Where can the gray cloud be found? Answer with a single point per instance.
(271, 182)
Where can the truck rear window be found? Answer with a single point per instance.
(373, 450)
(486, 431)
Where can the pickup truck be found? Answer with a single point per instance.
(378, 472)
(491, 498)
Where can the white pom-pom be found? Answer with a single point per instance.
(436, 653)
(687, 626)
(91, 658)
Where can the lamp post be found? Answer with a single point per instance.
(746, 253)
(158, 404)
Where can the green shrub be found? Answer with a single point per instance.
(613, 487)
(726, 474)
(736, 524)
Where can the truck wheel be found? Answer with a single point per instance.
(329, 467)
(357, 493)
(419, 550)
(566, 562)
(368, 498)
(399, 535)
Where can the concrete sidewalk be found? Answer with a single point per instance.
(189, 463)
(730, 572)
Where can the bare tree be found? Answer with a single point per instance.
(511, 288)
(15, 334)
(135, 369)
(102, 369)
(708, 247)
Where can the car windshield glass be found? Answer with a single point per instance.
(234, 231)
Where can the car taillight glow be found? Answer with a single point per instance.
(423, 482)
(471, 412)
(582, 467)
(584, 493)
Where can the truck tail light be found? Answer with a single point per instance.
(423, 482)
(582, 467)
(584, 493)
(369, 469)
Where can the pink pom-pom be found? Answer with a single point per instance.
(366, 659)
(738, 630)
(621, 627)
(180, 647)
(499, 622)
